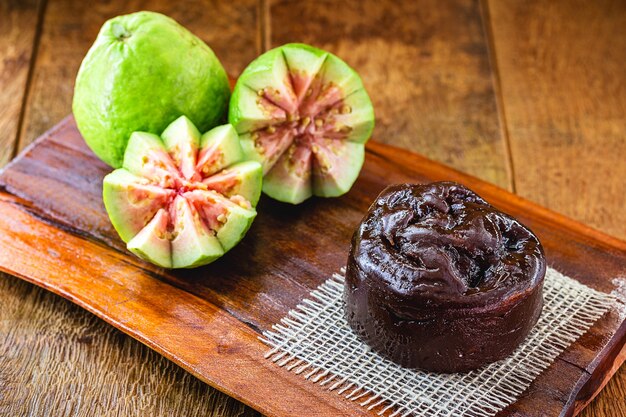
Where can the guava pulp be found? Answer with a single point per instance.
(304, 114)
(183, 200)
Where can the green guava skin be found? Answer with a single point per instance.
(144, 71)
(284, 180)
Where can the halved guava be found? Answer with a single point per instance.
(183, 199)
(303, 114)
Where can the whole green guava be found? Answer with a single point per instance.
(143, 72)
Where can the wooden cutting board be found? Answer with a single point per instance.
(55, 233)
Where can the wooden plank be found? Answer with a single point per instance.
(426, 66)
(561, 66)
(56, 357)
(612, 400)
(207, 320)
(227, 353)
(70, 27)
(19, 21)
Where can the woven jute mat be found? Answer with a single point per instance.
(315, 341)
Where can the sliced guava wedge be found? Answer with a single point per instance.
(182, 139)
(294, 99)
(254, 111)
(336, 72)
(230, 219)
(336, 166)
(152, 243)
(132, 201)
(185, 199)
(267, 146)
(147, 157)
(290, 178)
(352, 122)
(243, 179)
(269, 77)
(220, 148)
(303, 63)
(193, 243)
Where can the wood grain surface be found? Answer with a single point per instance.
(533, 51)
(50, 346)
(69, 28)
(564, 98)
(19, 24)
(426, 65)
(209, 319)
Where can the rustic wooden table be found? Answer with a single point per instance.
(529, 95)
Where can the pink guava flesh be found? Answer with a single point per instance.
(300, 121)
(202, 190)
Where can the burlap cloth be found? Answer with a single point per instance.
(315, 341)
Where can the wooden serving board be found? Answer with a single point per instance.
(55, 233)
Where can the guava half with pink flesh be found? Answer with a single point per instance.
(304, 114)
(183, 199)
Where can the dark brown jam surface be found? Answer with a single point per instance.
(439, 279)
